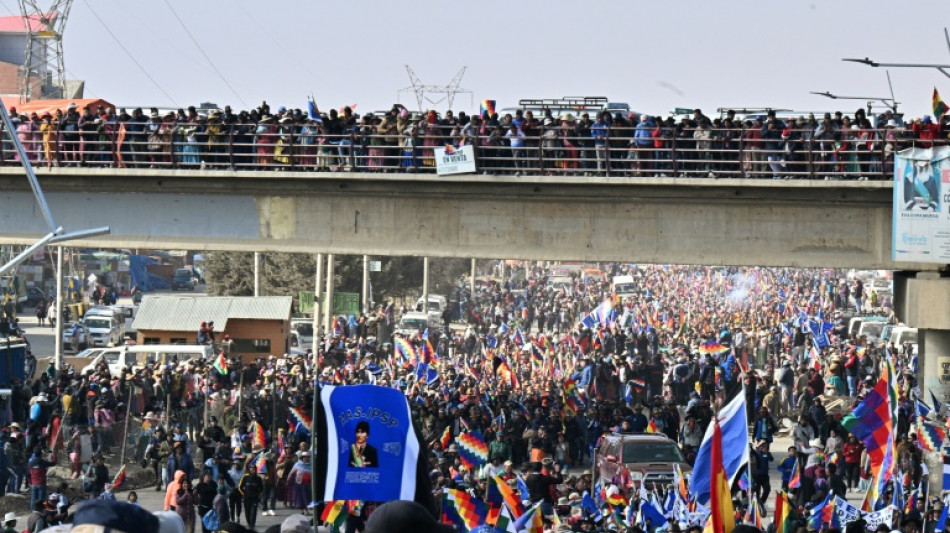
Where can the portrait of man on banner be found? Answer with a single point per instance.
(363, 454)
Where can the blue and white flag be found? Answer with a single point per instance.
(366, 446)
(735, 448)
(937, 405)
(590, 507)
(312, 110)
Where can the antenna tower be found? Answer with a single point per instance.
(448, 91)
(43, 74)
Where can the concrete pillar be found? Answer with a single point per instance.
(257, 274)
(328, 298)
(425, 284)
(365, 306)
(471, 281)
(922, 300)
(317, 308)
(59, 309)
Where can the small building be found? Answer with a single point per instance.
(258, 326)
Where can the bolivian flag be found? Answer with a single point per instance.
(333, 514)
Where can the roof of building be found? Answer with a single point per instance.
(50, 106)
(186, 313)
(14, 23)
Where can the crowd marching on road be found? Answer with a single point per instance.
(543, 142)
(526, 399)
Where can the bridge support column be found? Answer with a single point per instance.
(922, 300)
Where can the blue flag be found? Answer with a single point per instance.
(366, 447)
(589, 507)
(589, 321)
(312, 110)
(628, 394)
(650, 516)
(923, 409)
(735, 448)
(937, 405)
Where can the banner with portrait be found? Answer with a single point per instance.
(921, 227)
(366, 446)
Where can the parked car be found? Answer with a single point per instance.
(30, 299)
(184, 279)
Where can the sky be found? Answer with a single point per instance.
(655, 55)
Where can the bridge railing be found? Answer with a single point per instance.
(618, 152)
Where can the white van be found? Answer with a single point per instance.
(624, 286)
(136, 357)
(900, 335)
(301, 333)
(437, 304)
(105, 327)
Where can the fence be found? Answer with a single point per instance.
(613, 152)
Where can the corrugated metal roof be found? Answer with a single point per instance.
(186, 313)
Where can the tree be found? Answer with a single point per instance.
(284, 274)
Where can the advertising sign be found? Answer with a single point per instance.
(921, 228)
(454, 160)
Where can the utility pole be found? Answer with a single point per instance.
(365, 306)
(58, 311)
(425, 285)
(328, 317)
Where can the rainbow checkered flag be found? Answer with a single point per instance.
(462, 509)
(473, 451)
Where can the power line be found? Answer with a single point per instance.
(126, 50)
(121, 4)
(208, 59)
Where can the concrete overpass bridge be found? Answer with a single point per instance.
(703, 221)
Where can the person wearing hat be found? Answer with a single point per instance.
(9, 523)
(180, 460)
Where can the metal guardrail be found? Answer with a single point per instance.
(736, 152)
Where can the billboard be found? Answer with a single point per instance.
(921, 227)
(454, 160)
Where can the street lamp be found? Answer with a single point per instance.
(890, 103)
(944, 69)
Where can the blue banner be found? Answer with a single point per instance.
(366, 449)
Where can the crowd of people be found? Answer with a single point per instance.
(543, 373)
(832, 146)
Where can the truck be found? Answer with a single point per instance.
(12, 363)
